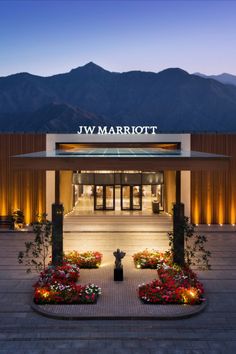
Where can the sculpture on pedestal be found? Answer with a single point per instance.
(118, 255)
(118, 270)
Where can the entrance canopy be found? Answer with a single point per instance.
(143, 159)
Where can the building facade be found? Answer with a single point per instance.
(90, 185)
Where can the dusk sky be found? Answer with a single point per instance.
(49, 37)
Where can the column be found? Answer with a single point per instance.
(57, 225)
(178, 224)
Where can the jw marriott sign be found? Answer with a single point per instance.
(122, 130)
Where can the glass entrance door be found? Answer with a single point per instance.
(109, 197)
(125, 197)
(137, 198)
(131, 197)
(104, 197)
(98, 198)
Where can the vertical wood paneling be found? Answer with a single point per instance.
(169, 190)
(66, 190)
(26, 189)
(214, 191)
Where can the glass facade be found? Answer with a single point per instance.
(129, 190)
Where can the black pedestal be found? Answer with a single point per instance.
(118, 274)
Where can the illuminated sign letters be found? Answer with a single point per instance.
(122, 130)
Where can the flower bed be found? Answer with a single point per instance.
(62, 274)
(176, 286)
(151, 259)
(182, 277)
(57, 285)
(89, 259)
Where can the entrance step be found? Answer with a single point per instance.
(109, 223)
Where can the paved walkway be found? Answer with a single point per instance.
(22, 331)
(119, 299)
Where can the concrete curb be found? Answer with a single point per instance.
(167, 312)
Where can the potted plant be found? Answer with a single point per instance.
(18, 219)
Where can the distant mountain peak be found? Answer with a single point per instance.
(172, 71)
(91, 64)
(20, 75)
(224, 78)
(89, 67)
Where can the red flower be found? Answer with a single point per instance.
(176, 285)
(58, 285)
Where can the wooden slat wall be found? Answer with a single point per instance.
(213, 194)
(169, 190)
(66, 190)
(26, 189)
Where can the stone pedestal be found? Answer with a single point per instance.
(118, 274)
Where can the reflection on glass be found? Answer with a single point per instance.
(126, 197)
(109, 197)
(99, 197)
(157, 194)
(136, 197)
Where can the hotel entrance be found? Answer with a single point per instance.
(126, 191)
(117, 197)
(119, 192)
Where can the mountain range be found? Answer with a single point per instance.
(172, 99)
(224, 78)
